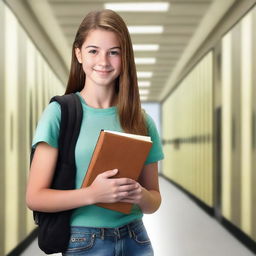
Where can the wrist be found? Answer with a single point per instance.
(144, 194)
(150, 201)
(89, 196)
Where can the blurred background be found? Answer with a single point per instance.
(196, 66)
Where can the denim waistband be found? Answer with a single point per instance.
(118, 232)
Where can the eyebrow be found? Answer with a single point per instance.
(93, 46)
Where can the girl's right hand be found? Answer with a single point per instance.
(106, 190)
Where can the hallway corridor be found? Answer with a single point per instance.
(191, 231)
(190, 64)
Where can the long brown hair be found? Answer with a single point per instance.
(131, 116)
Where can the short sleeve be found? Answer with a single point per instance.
(47, 129)
(156, 151)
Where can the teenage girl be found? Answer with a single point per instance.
(103, 75)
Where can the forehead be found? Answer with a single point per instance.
(102, 38)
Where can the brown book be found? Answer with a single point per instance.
(122, 151)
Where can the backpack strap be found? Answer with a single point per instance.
(71, 119)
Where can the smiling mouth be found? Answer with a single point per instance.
(103, 71)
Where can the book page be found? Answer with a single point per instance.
(134, 136)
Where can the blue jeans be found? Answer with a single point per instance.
(128, 240)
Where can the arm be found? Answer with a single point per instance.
(41, 198)
(147, 195)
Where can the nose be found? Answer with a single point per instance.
(103, 59)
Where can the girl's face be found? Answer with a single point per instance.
(100, 56)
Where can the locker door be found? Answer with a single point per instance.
(11, 132)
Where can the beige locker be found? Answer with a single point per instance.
(11, 132)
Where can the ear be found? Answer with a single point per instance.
(78, 55)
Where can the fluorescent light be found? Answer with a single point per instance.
(146, 29)
(145, 60)
(143, 97)
(146, 47)
(138, 7)
(144, 91)
(144, 83)
(144, 74)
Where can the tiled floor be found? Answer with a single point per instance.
(181, 228)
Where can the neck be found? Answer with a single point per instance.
(99, 98)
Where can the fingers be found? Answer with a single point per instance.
(123, 195)
(111, 189)
(128, 192)
(133, 196)
(133, 200)
(124, 181)
(109, 173)
(125, 191)
(129, 188)
(117, 181)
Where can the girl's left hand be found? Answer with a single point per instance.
(135, 196)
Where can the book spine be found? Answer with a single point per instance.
(93, 159)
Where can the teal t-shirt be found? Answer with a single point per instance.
(94, 120)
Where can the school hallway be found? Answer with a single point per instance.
(195, 77)
(181, 228)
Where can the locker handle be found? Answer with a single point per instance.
(253, 130)
(233, 134)
(11, 132)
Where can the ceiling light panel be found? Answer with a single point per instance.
(146, 29)
(144, 83)
(143, 97)
(144, 91)
(145, 60)
(139, 7)
(146, 47)
(141, 74)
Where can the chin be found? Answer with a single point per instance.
(105, 83)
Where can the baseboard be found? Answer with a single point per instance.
(204, 206)
(240, 235)
(24, 244)
(236, 232)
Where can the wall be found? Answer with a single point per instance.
(187, 132)
(238, 81)
(26, 85)
(210, 120)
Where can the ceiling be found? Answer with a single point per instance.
(183, 23)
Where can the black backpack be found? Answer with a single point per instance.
(54, 228)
